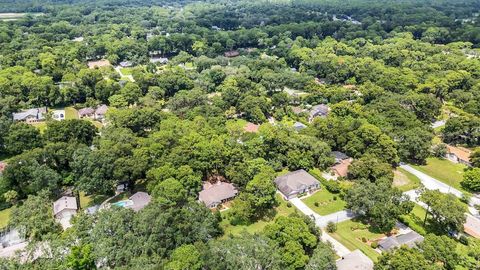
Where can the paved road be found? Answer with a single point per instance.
(432, 183)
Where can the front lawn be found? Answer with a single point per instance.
(355, 235)
(327, 202)
(404, 180)
(126, 71)
(256, 227)
(444, 170)
(5, 217)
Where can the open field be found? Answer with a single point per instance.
(327, 202)
(404, 180)
(352, 234)
(256, 227)
(444, 170)
(15, 16)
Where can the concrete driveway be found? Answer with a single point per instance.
(432, 184)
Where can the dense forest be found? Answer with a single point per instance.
(183, 79)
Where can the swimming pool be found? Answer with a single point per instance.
(123, 203)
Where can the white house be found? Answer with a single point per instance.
(64, 209)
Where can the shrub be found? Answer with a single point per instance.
(335, 198)
(364, 239)
(464, 240)
(316, 204)
(289, 204)
(331, 227)
(374, 245)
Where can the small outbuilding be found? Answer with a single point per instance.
(320, 110)
(231, 54)
(98, 64)
(294, 183)
(299, 126)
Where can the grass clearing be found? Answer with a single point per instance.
(41, 126)
(327, 203)
(351, 234)
(5, 217)
(404, 180)
(445, 171)
(71, 113)
(258, 226)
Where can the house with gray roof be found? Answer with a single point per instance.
(355, 260)
(213, 195)
(294, 183)
(139, 201)
(320, 110)
(64, 209)
(299, 126)
(409, 239)
(34, 115)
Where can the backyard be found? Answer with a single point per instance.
(404, 180)
(281, 210)
(327, 202)
(444, 170)
(356, 235)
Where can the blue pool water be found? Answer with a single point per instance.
(121, 203)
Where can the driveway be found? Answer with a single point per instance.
(432, 184)
(321, 221)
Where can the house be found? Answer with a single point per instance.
(125, 64)
(86, 113)
(100, 112)
(342, 162)
(251, 127)
(64, 209)
(160, 60)
(34, 115)
(139, 201)
(294, 183)
(98, 64)
(213, 195)
(459, 155)
(231, 54)
(58, 115)
(318, 111)
(409, 239)
(299, 126)
(472, 226)
(355, 260)
(78, 39)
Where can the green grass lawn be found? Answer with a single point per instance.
(281, 210)
(5, 217)
(126, 71)
(71, 113)
(41, 126)
(404, 180)
(443, 170)
(326, 202)
(350, 234)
